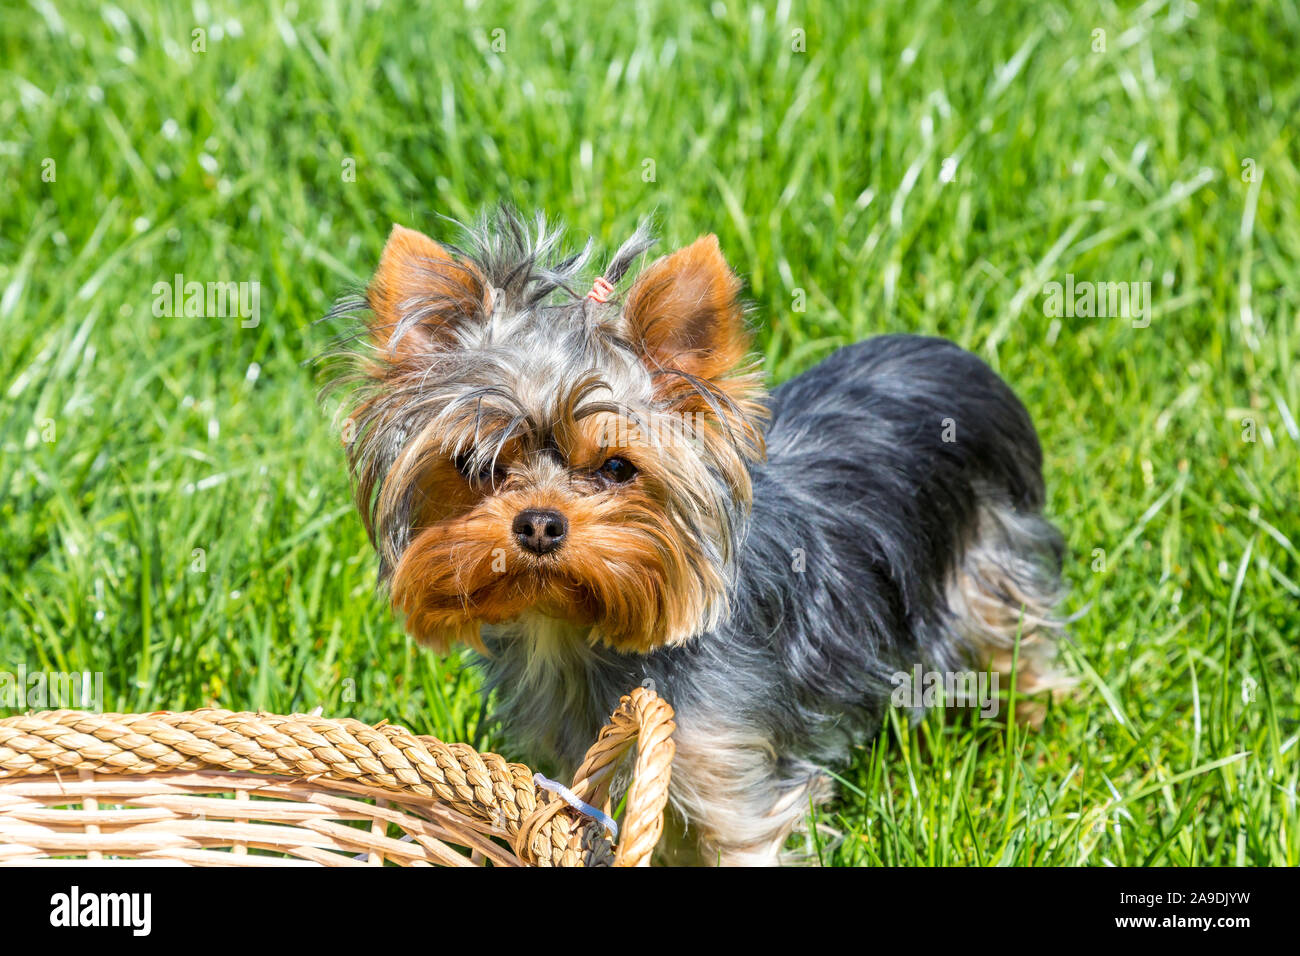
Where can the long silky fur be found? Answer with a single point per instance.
(865, 542)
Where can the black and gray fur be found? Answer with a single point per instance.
(887, 517)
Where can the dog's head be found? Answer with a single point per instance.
(519, 445)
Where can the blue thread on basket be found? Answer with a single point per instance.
(569, 797)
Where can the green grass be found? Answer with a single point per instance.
(821, 171)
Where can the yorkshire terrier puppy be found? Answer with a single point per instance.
(593, 489)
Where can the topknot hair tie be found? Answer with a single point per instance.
(600, 290)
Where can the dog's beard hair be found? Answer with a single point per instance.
(523, 376)
(636, 567)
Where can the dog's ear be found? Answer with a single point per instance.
(685, 313)
(419, 293)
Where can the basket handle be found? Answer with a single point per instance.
(645, 718)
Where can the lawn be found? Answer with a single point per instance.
(174, 510)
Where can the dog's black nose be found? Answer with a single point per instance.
(539, 531)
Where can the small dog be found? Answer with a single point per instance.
(594, 490)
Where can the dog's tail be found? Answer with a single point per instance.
(1004, 598)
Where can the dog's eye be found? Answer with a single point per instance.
(617, 471)
(481, 477)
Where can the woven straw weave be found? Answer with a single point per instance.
(216, 787)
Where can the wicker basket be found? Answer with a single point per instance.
(219, 788)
